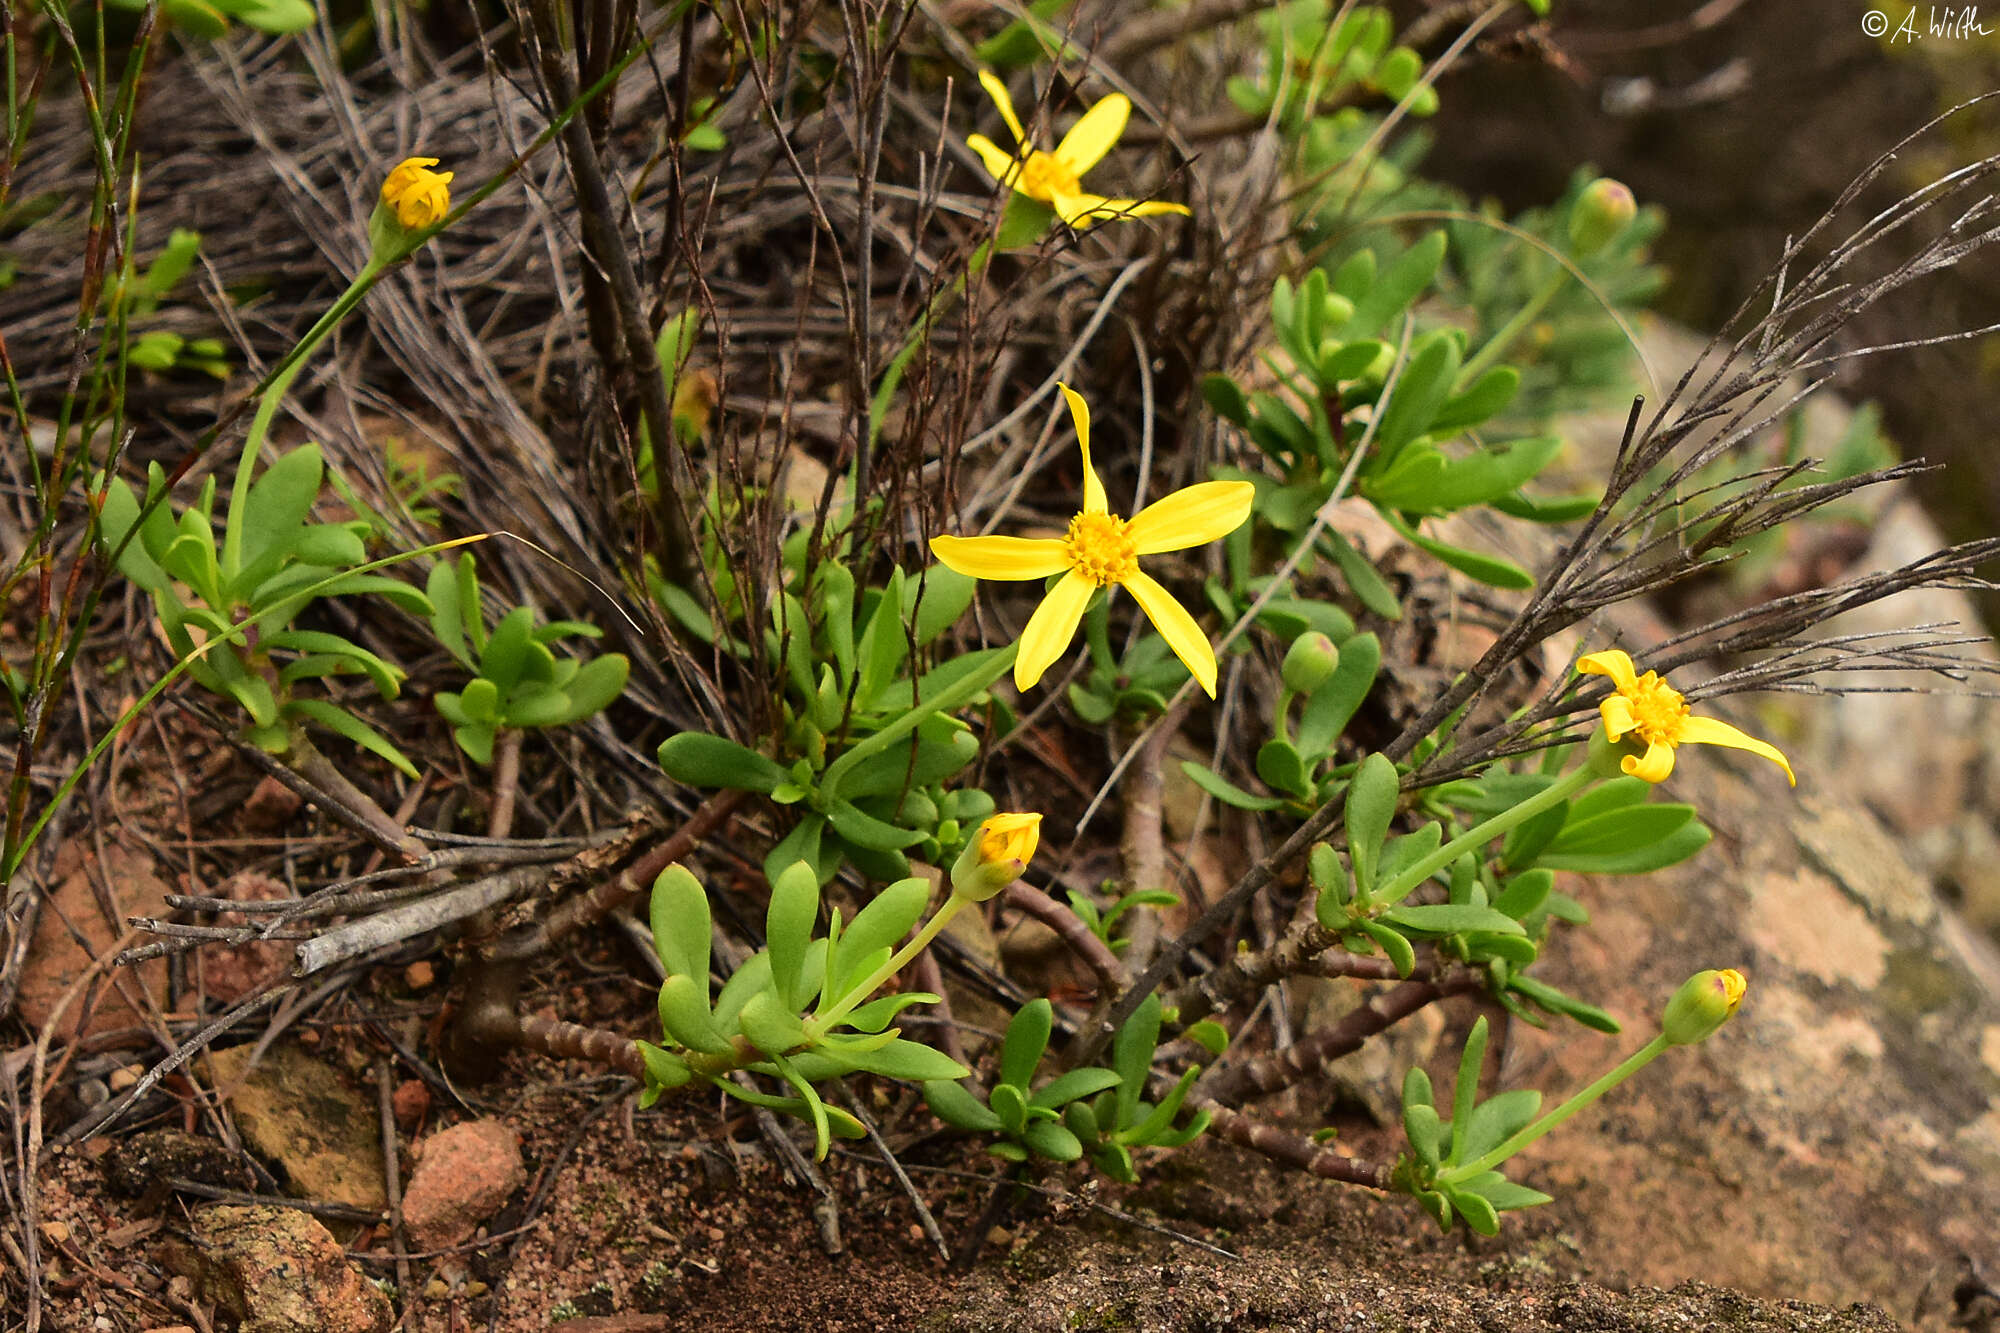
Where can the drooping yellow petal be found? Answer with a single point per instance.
(1084, 211)
(1051, 628)
(1001, 557)
(1192, 516)
(1005, 167)
(1176, 626)
(1079, 414)
(1612, 663)
(998, 92)
(1093, 136)
(1618, 716)
(1656, 766)
(1713, 731)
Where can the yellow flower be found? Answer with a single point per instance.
(419, 196)
(996, 856)
(1655, 712)
(1102, 550)
(1056, 178)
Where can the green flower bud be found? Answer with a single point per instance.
(1311, 660)
(995, 856)
(1702, 1004)
(1601, 212)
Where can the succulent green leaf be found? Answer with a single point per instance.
(788, 929)
(952, 1103)
(681, 924)
(1222, 789)
(1066, 1088)
(698, 759)
(1027, 1038)
(685, 1016)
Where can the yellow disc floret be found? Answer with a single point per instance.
(1658, 711)
(1043, 176)
(1101, 548)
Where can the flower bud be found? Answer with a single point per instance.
(995, 856)
(1312, 659)
(1601, 212)
(414, 199)
(1702, 1004)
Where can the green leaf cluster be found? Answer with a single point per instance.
(1437, 1146)
(1100, 1112)
(1315, 63)
(277, 560)
(519, 682)
(793, 1013)
(863, 751)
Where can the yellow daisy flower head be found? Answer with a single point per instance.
(1655, 712)
(418, 196)
(1057, 178)
(1102, 550)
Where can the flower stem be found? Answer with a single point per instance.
(1506, 333)
(1480, 834)
(1631, 1065)
(273, 396)
(950, 697)
(820, 1024)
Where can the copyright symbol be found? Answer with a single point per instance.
(1874, 23)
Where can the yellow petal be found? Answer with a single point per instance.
(1713, 731)
(1001, 557)
(1190, 517)
(1080, 211)
(1177, 627)
(1093, 136)
(1084, 211)
(1005, 167)
(998, 92)
(1051, 628)
(1618, 717)
(1656, 766)
(1610, 663)
(1079, 413)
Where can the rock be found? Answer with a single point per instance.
(269, 807)
(298, 1112)
(1839, 1139)
(229, 974)
(55, 959)
(135, 1165)
(463, 1175)
(276, 1270)
(410, 1102)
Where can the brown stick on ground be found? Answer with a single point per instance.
(1077, 937)
(1275, 1072)
(628, 884)
(1293, 1149)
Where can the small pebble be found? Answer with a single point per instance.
(419, 975)
(57, 1232)
(124, 1077)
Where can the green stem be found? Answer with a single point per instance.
(272, 398)
(963, 692)
(892, 378)
(820, 1024)
(1483, 360)
(1480, 834)
(1631, 1065)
